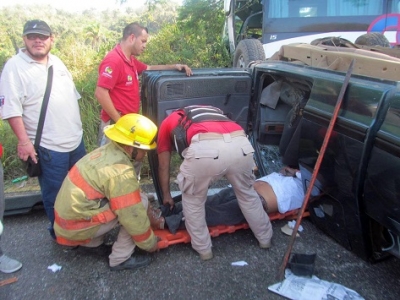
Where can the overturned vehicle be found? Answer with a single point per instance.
(285, 106)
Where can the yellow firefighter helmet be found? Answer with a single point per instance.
(133, 130)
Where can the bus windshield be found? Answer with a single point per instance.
(327, 8)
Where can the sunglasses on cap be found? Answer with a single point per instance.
(34, 36)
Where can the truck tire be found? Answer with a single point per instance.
(247, 51)
(333, 41)
(373, 39)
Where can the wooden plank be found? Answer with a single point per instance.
(367, 63)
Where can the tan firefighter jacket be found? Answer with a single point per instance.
(101, 186)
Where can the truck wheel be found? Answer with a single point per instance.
(373, 39)
(247, 51)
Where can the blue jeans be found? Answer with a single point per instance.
(55, 166)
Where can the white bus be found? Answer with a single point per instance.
(255, 29)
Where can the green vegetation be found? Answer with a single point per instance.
(177, 34)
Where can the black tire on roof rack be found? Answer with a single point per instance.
(373, 39)
(333, 41)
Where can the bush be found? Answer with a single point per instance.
(13, 166)
(82, 40)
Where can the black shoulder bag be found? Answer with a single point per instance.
(33, 169)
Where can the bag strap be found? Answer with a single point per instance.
(44, 107)
(201, 113)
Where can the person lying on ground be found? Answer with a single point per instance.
(279, 192)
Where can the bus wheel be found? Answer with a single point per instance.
(373, 39)
(247, 51)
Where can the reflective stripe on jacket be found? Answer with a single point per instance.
(101, 186)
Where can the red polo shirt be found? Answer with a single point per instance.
(169, 123)
(121, 77)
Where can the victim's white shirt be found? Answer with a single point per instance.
(288, 190)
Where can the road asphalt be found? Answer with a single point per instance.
(177, 272)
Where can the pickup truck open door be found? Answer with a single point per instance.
(285, 109)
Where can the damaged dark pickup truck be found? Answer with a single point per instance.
(285, 107)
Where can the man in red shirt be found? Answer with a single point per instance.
(118, 84)
(216, 147)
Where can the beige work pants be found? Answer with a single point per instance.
(208, 158)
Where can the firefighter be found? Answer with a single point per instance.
(102, 191)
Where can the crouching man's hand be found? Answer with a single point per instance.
(155, 247)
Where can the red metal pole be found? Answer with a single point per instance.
(316, 169)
